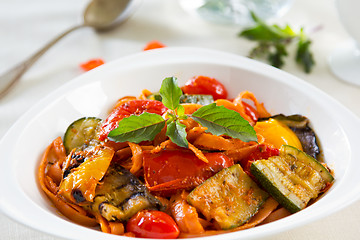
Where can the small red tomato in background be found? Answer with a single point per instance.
(205, 85)
(152, 224)
(91, 64)
(153, 45)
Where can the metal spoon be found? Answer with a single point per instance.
(101, 15)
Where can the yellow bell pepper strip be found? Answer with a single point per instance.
(79, 186)
(277, 134)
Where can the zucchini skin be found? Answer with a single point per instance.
(80, 133)
(281, 198)
(293, 178)
(230, 197)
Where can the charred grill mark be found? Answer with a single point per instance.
(78, 196)
(134, 195)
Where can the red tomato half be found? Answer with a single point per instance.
(250, 111)
(263, 151)
(171, 170)
(205, 85)
(152, 224)
(127, 109)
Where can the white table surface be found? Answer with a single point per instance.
(25, 26)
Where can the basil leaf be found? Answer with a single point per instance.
(170, 93)
(138, 128)
(177, 133)
(221, 121)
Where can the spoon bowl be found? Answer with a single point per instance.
(107, 14)
(99, 14)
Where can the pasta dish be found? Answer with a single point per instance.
(184, 162)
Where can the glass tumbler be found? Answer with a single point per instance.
(236, 11)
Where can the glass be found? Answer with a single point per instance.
(344, 61)
(236, 11)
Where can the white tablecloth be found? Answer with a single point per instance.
(27, 25)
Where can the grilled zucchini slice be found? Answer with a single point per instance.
(230, 197)
(81, 132)
(293, 178)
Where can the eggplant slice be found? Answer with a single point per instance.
(121, 194)
(300, 126)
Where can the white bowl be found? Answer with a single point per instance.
(92, 94)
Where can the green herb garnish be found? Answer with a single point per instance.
(217, 119)
(273, 42)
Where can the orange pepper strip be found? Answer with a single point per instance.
(236, 107)
(212, 142)
(104, 224)
(198, 153)
(137, 157)
(267, 208)
(259, 106)
(184, 214)
(73, 212)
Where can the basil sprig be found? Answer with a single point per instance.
(217, 119)
(273, 42)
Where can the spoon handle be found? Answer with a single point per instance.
(12, 76)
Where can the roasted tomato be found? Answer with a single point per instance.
(133, 107)
(250, 111)
(205, 85)
(172, 170)
(152, 224)
(263, 151)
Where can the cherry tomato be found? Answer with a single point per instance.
(263, 151)
(171, 170)
(250, 111)
(153, 45)
(91, 64)
(152, 224)
(205, 85)
(127, 109)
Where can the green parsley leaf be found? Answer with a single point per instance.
(138, 128)
(304, 56)
(177, 133)
(273, 40)
(221, 121)
(170, 93)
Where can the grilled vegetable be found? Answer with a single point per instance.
(80, 133)
(300, 126)
(230, 197)
(79, 183)
(293, 178)
(201, 99)
(120, 195)
(277, 133)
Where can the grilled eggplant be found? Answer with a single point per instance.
(120, 195)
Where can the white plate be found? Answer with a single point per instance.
(92, 94)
